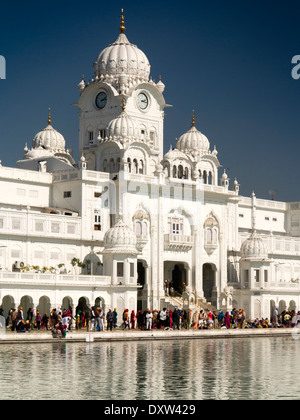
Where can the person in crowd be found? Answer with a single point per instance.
(210, 320)
(66, 321)
(44, 322)
(97, 319)
(155, 319)
(195, 318)
(21, 326)
(115, 315)
(102, 318)
(28, 326)
(201, 320)
(88, 318)
(287, 320)
(132, 320)
(61, 330)
(14, 321)
(149, 319)
(38, 320)
(227, 320)
(140, 320)
(126, 320)
(175, 318)
(163, 318)
(221, 318)
(110, 320)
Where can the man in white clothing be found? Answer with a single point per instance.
(149, 319)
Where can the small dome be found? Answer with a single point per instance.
(174, 154)
(224, 176)
(254, 248)
(193, 140)
(161, 86)
(122, 127)
(120, 239)
(38, 153)
(122, 58)
(49, 138)
(82, 85)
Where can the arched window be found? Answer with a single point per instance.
(209, 236)
(129, 165)
(152, 137)
(174, 171)
(210, 178)
(145, 230)
(211, 232)
(138, 229)
(186, 173)
(112, 166)
(105, 165)
(214, 236)
(143, 133)
(166, 171)
(205, 177)
(135, 166)
(141, 167)
(180, 171)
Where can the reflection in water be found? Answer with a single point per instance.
(258, 368)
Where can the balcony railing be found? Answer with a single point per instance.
(37, 279)
(178, 242)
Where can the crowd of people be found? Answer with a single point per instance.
(95, 319)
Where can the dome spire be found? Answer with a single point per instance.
(253, 221)
(122, 27)
(193, 119)
(49, 116)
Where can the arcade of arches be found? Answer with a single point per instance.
(45, 306)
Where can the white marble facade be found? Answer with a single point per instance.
(115, 226)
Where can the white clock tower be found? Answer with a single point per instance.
(121, 111)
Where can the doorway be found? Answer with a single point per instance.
(209, 281)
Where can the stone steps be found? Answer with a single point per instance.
(177, 302)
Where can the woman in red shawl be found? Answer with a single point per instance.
(227, 320)
(132, 320)
(171, 319)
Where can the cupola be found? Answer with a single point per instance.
(49, 138)
(122, 62)
(193, 141)
(120, 239)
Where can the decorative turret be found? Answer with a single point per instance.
(254, 248)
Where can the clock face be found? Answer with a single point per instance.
(101, 100)
(143, 101)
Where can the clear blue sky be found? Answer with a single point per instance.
(229, 60)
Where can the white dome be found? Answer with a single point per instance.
(193, 140)
(49, 139)
(120, 239)
(254, 248)
(122, 127)
(174, 154)
(38, 153)
(122, 59)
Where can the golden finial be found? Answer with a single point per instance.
(49, 117)
(123, 105)
(122, 27)
(193, 119)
